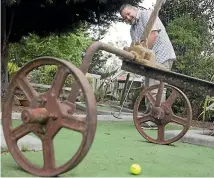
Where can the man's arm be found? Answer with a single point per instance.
(155, 29)
(152, 38)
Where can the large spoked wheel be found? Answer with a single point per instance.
(47, 115)
(161, 113)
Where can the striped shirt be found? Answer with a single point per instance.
(163, 47)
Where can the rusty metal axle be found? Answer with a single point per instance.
(38, 115)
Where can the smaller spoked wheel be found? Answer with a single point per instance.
(47, 115)
(163, 107)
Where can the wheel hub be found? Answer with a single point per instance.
(38, 115)
(158, 113)
(162, 114)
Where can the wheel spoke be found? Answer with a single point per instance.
(23, 130)
(20, 131)
(170, 100)
(159, 94)
(67, 107)
(161, 132)
(145, 118)
(59, 81)
(179, 120)
(74, 122)
(53, 128)
(26, 87)
(48, 153)
(150, 98)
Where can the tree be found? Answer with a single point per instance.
(191, 40)
(42, 17)
(202, 9)
(189, 25)
(68, 46)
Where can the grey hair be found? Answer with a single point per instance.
(129, 6)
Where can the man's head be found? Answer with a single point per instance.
(128, 13)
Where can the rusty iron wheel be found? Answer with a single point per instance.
(53, 116)
(161, 113)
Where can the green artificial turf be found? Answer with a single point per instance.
(117, 145)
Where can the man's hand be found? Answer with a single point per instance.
(141, 52)
(143, 55)
(149, 42)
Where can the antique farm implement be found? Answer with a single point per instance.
(46, 114)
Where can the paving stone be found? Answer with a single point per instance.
(27, 142)
(196, 137)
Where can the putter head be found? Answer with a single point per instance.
(116, 115)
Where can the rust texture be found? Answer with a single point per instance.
(181, 81)
(161, 113)
(47, 115)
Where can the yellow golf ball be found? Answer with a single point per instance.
(135, 169)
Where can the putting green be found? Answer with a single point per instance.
(117, 145)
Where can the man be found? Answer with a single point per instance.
(158, 40)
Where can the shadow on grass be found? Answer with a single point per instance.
(20, 169)
(16, 167)
(145, 141)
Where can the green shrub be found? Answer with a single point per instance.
(12, 68)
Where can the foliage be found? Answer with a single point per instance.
(191, 41)
(134, 96)
(59, 16)
(42, 17)
(68, 46)
(44, 75)
(99, 65)
(12, 68)
(99, 95)
(208, 109)
(173, 9)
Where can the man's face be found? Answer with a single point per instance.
(129, 15)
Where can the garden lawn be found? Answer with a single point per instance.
(117, 145)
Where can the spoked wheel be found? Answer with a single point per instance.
(162, 113)
(47, 115)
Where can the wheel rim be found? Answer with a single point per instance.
(161, 107)
(90, 121)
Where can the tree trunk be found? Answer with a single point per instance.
(4, 52)
(5, 33)
(4, 72)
